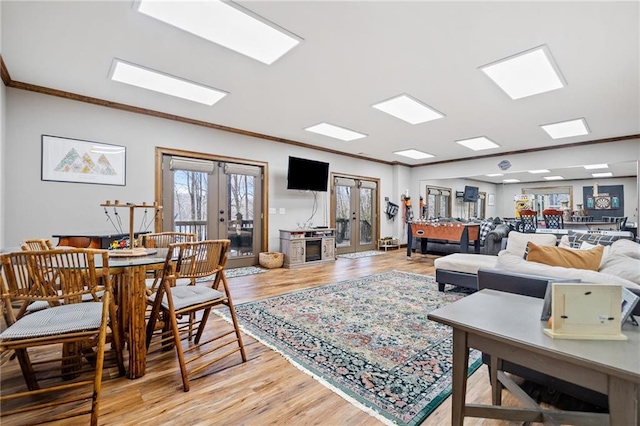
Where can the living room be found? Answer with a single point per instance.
(42, 100)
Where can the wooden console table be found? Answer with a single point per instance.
(507, 327)
(450, 231)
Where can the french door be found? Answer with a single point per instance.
(354, 213)
(215, 200)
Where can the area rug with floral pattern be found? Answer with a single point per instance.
(361, 254)
(367, 339)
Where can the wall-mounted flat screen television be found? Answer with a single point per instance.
(307, 175)
(470, 193)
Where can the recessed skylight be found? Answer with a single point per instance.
(596, 166)
(566, 129)
(528, 73)
(553, 177)
(414, 153)
(538, 172)
(603, 174)
(478, 144)
(495, 174)
(226, 24)
(145, 78)
(510, 180)
(408, 109)
(336, 132)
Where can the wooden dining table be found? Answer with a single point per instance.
(129, 274)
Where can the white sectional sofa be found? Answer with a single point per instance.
(620, 262)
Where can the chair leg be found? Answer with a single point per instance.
(27, 369)
(97, 383)
(236, 326)
(180, 352)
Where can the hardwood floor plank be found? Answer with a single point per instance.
(267, 389)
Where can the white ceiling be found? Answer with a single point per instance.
(353, 55)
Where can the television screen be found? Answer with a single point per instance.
(307, 175)
(470, 193)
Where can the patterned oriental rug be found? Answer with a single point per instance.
(241, 272)
(368, 339)
(361, 254)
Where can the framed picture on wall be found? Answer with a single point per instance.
(79, 161)
(615, 202)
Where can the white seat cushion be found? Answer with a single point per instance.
(465, 262)
(56, 320)
(188, 295)
(517, 241)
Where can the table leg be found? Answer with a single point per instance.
(464, 241)
(459, 373)
(409, 239)
(131, 315)
(624, 402)
(496, 385)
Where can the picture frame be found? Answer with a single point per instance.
(491, 199)
(81, 161)
(586, 312)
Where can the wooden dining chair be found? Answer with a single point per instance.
(528, 221)
(553, 218)
(37, 244)
(76, 327)
(163, 240)
(194, 260)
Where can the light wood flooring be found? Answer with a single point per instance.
(266, 389)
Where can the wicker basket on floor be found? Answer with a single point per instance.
(271, 259)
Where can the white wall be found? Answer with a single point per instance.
(35, 208)
(510, 191)
(613, 152)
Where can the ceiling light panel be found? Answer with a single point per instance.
(149, 79)
(408, 109)
(479, 143)
(414, 153)
(495, 174)
(528, 73)
(603, 174)
(596, 166)
(336, 132)
(566, 129)
(553, 177)
(538, 172)
(510, 180)
(226, 24)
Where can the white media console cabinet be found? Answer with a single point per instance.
(307, 246)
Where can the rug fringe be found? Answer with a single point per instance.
(318, 378)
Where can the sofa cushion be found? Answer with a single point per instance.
(575, 239)
(465, 262)
(517, 241)
(568, 258)
(510, 262)
(626, 248)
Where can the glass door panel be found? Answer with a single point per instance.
(215, 200)
(355, 214)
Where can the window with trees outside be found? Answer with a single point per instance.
(438, 202)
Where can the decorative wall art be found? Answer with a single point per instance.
(74, 160)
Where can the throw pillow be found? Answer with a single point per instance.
(485, 228)
(517, 241)
(567, 258)
(576, 238)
